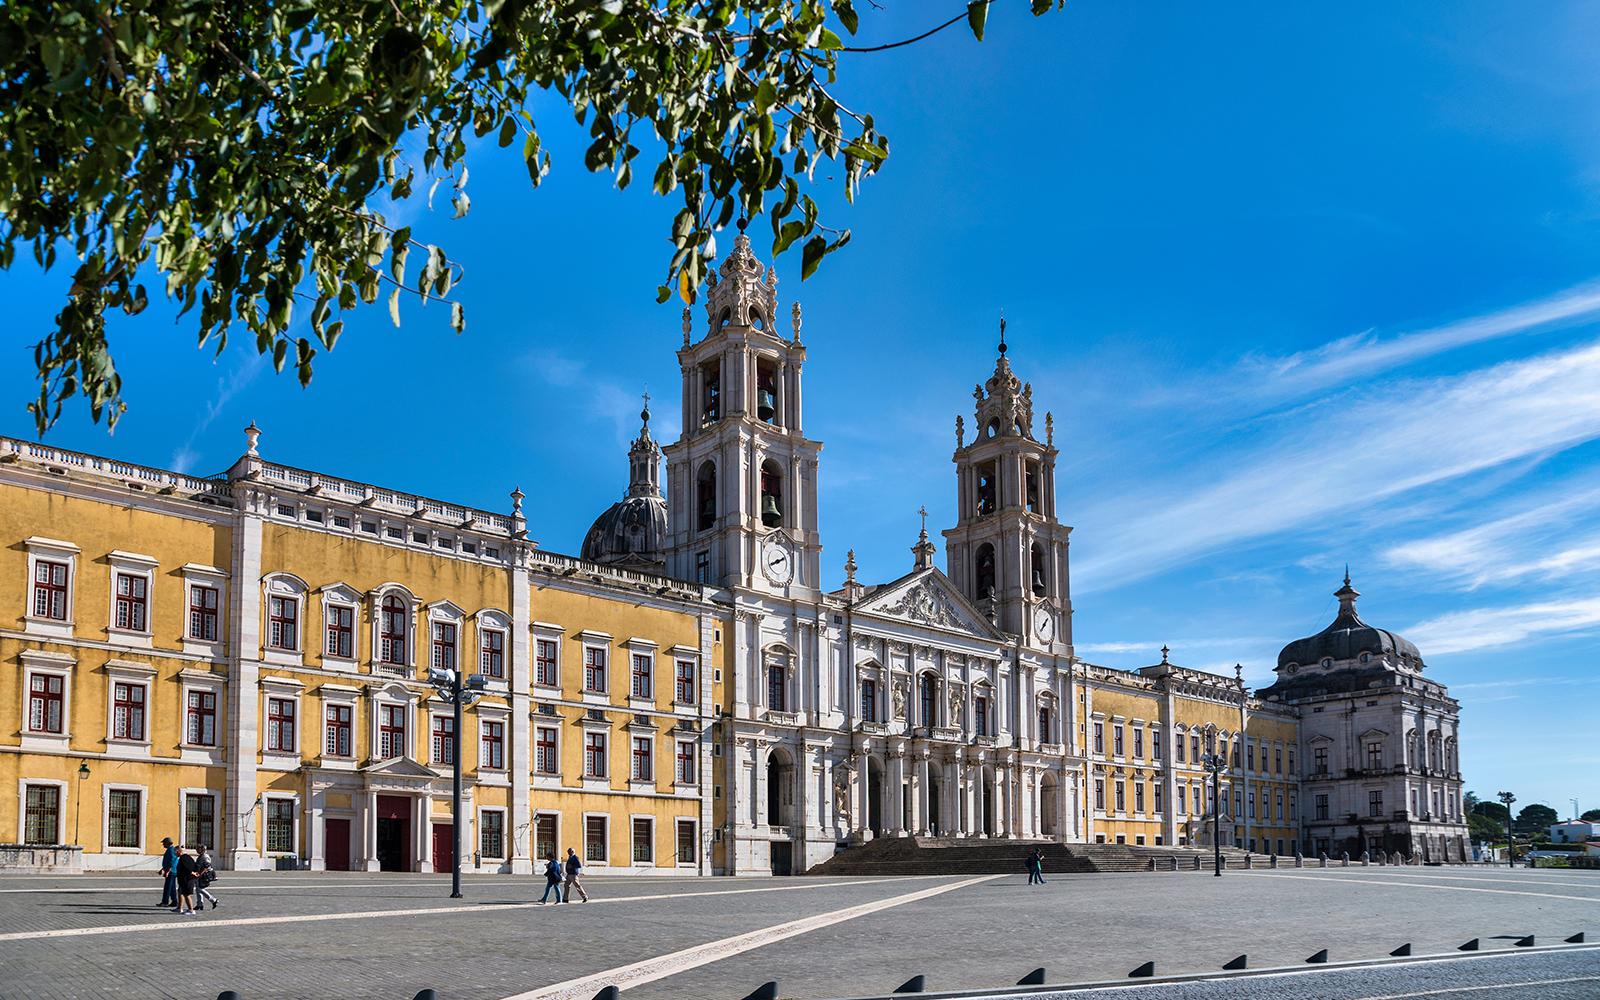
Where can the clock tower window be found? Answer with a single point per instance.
(1031, 486)
(985, 566)
(712, 411)
(706, 498)
(766, 393)
(988, 492)
(1036, 570)
(771, 495)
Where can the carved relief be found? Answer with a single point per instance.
(927, 604)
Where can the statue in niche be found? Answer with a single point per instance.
(900, 700)
(841, 802)
(955, 707)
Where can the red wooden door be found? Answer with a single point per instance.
(443, 846)
(336, 844)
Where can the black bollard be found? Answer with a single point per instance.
(1238, 963)
(430, 995)
(1144, 971)
(1034, 978)
(230, 995)
(1469, 946)
(1574, 939)
(916, 984)
(1402, 951)
(1526, 942)
(608, 993)
(766, 991)
(1319, 958)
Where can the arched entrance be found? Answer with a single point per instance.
(780, 788)
(1049, 804)
(875, 796)
(935, 793)
(988, 803)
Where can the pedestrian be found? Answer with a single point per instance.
(205, 873)
(553, 877)
(1036, 866)
(169, 875)
(574, 866)
(185, 869)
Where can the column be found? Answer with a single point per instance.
(422, 839)
(519, 755)
(920, 793)
(861, 795)
(1005, 791)
(895, 793)
(369, 833)
(244, 650)
(315, 797)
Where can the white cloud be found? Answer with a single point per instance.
(1483, 628)
(1493, 552)
(239, 376)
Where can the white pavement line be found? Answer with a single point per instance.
(651, 969)
(1456, 888)
(1595, 884)
(316, 917)
(1474, 989)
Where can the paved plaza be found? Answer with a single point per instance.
(285, 936)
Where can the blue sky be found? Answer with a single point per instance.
(1302, 288)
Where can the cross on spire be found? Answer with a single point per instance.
(1002, 331)
(923, 510)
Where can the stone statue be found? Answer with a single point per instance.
(841, 802)
(899, 701)
(961, 433)
(955, 707)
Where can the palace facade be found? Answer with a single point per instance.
(244, 662)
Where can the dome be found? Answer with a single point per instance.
(1347, 638)
(633, 531)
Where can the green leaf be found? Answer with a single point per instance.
(848, 17)
(394, 306)
(816, 248)
(828, 40)
(766, 96)
(508, 131)
(458, 318)
(977, 13)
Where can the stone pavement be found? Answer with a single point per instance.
(291, 935)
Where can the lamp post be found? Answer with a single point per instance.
(1511, 843)
(77, 821)
(1214, 765)
(460, 692)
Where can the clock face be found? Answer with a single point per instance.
(1044, 624)
(777, 562)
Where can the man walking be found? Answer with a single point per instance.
(574, 866)
(1036, 866)
(552, 879)
(169, 874)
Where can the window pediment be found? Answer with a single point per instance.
(1320, 741)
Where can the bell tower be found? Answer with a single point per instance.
(1007, 552)
(742, 480)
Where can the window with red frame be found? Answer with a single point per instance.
(127, 711)
(686, 763)
(283, 615)
(641, 758)
(491, 653)
(594, 755)
(200, 726)
(45, 701)
(544, 663)
(203, 613)
(50, 590)
(132, 612)
(544, 750)
(686, 685)
(391, 731)
(338, 735)
(444, 739)
(491, 753)
(392, 631)
(594, 669)
(641, 677)
(444, 646)
(341, 630)
(280, 725)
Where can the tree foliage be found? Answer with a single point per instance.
(235, 150)
(1536, 817)
(1592, 816)
(1482, 827)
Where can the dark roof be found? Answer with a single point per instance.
(635, 527)
(1345, 639)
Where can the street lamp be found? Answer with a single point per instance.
(1214, 765)
(458, 691)
(1511, 843)
(77, 822)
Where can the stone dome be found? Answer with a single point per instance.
(633, 531)
(1347, 638)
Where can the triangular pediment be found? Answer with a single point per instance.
(927, 597)
(1320, 740)
(1374, 734)
(402, 767)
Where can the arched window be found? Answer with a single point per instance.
(777, 687)
(985, 567)
(1046, 723)
(713, 393)
(757, 320)
(993, 428)
(1030, 487)
(724, 316)
(988, 488)
(1036, 573)
(392, 631)
(766, 392)
(706, 498)
(929, 690)
(771, 495)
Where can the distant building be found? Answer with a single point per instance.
(1576, 832)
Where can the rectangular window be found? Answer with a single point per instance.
(641, 758)
(1155, 749)
(1155, 787)
(131, 607)
(491, 753)
(200, 820)
(594, 755)
(1138, 796)
(1046, 730)
(45, 701)
(980, 715)
(641, 677)
(1294, 810)
(1322, 806)
(686, 682)
(1277, 754)
(686, 763)
(442, 741)
(1178, 746)
(641, 841)
(1100, 794)
(1320, 760)
(869, 700)
(544, 747)
(544, 663)
(1099, 737)
(444, 646)
(776, 688)
(391, 731)
(594, 669)
(203, 613)
(1194, 749)
(1122, 798)
(702, 567)
(127, 711)
(50, 590)
(1291, 761)
(686, 842)
(1196, 799)
(1182, 796)
(1280, 807)
(341, 631)
(1138, 742)
(1235, 752)
(392, 631)
(280, 826)
(338, 741)
(200, 725)
(1250, 757)
(594, 838)
(123, 818)
(42, 819)
(1375, 803)
(1250, 804)
(282, 621)
(1374, 756)
(340, 522)
(491, 653)
(1116, 741)
(492, 834)
(544, 835)
(280, 725)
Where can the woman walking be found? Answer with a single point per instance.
(204, 875)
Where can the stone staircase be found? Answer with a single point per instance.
(949, 856)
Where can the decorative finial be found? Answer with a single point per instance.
(1164, 652)
(924, 549)
(516, 501)
(688, 325)
(961, 432)
(1049, 428)
(795, 312)
(923, 510)
(742, 223)
(850, 566)
(1238, 672)
(644, 414)
(1347, 574)
(1002, 333)
(252, 434)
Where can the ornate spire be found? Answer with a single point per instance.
(1347, 596)
(644, 459)
(1164, 652)
(1007, 407)
(852, 589)
(252, 434)
(924, 549)
(747, 295)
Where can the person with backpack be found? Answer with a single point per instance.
(553, 877)
(1036, 867)
(205, 874)
(184, 869)
(169, 875)
(574, 866)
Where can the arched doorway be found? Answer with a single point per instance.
(1049, 804)
(875, 796)
(988, 806)
(935, 793)
(780, 788)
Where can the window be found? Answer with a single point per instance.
(391, 731)
(285, 510)
(702, 566)
(641, 841)
(640, 686)
(123, 817)
(980, 715)
(1178, 746)
(594, 755)
(280, 725)
(442, 743)
(1194, 749)
(491, 749)
(341, 630)
(42, 819)
(1138, 796)
(544, 835)
(641, 759)
(420, 537)
(1155, 787)
(594, 838)
(314, 515)
(1235, 753)
(930, 700)
(1155, 750)
(686, 841)
(544, 662)
(1319, 759)
(1138, 742)
(1291, 761)
(1099, 737)
(1182, 798)
(444, 646)
(1116, 741)
(1196, 799)
(686, 683)
(1100, 794)
(45, 702)
(1046, 730)
(203, 613)
(686, 763)
(776, 687)
(544, 747)
(127, 711)
(392, 631)
(1122, 802)
(200, 820)
(200, 724)
(492, 833)
(280, 825)
(1294, 807)
(869, 700)
(1280, 807)
(1251, 804)
(282, 622)
(594, 669)
(1375, 803)
(393, 532)
(1374, 756)
(338, 735)
(50, 590)
(1250, 757)
(491, 653)
(1277, 759)
(131, 611)
(340, 522)
(370, 527)
(1322, 806)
